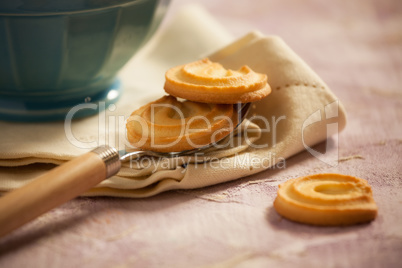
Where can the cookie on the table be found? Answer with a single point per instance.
(326, 199)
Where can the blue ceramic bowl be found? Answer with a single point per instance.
(55, 54)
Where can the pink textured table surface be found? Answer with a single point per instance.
(356, 47)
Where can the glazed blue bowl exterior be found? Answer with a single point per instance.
(55, 54)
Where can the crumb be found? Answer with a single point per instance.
(347, 158)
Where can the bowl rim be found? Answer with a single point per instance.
(72, 12)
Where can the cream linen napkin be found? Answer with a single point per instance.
(291, 119)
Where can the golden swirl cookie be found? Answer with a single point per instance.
(326, 199)
(209, 82)
(168, 125)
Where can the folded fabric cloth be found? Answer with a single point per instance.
(291, 119)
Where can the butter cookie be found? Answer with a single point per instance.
(326, 199)
(209, 82)
(170, 125)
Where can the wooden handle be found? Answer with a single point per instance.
(52, 189)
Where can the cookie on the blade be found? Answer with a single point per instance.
(169, 125)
